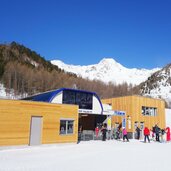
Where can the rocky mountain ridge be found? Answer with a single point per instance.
(158, 85)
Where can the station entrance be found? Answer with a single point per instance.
(91, 121)
(88, 123)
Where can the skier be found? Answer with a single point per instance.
(104, 130)
(138, 132)
(157, 132)
(97, 131)
(146, 134)
(167, 134)
(124, 131)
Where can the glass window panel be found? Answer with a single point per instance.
(66, 127)
(149, 111)
(155, 111)
(70, 127)
(68, 97)
(143, 110)
(62, 127)
(82, 99)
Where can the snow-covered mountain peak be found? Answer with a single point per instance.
(108, 70)
(109, 63)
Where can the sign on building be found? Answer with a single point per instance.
(119, 113)
(123, 122)
(109, 123)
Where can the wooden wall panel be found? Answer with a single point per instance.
(133, 107)
(15, 118)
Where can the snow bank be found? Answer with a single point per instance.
(2, 91)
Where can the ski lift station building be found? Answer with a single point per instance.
(50, 117)
(55, 116)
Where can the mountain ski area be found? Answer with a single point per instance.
(24, 73)
(85, 85)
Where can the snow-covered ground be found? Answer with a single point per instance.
(111, 155)
(11, 95)
(2, 91)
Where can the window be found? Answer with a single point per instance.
(83, 99)
(68, 97)
(149, 111)
(66, 126)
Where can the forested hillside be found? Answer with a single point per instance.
(24, 72)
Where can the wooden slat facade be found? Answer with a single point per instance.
(132, 105)
(15, 119)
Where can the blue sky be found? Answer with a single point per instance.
(136, 33)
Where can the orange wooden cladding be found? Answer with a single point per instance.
(15, 118)
(132, 105)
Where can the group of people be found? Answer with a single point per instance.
(103, 131)
(156, 133)
(115, 134)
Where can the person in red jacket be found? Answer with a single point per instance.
(146, 134)
(167, 134)
(97, 131)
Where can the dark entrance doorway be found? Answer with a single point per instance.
(90, 121)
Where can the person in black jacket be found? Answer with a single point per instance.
(157, 131)
(104, 131)
(80, 129)
(138, 132)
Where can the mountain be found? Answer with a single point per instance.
(158, 85)
(15, 52)
(24, 72)
(108, 70)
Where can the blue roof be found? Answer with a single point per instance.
(50, 95)
(44, 97)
